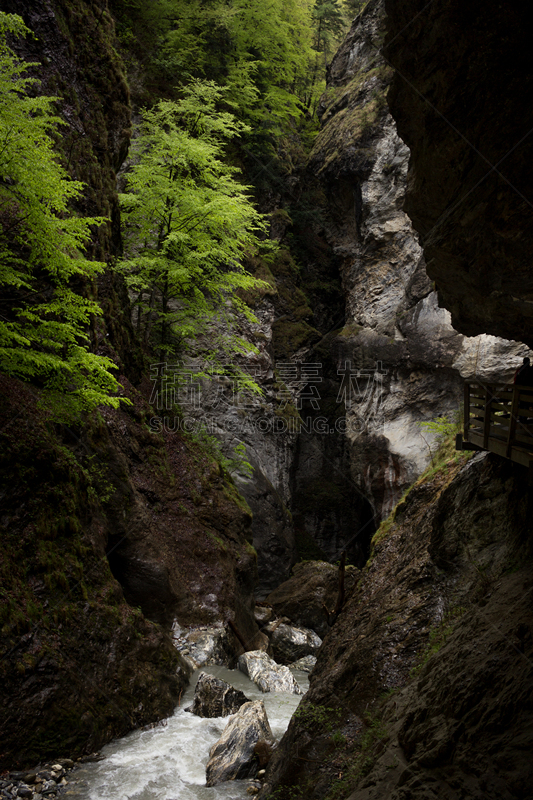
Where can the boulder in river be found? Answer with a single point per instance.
(289, 643)
(263, 614)
(266, 674)
(202, 647)
(305, 664)
(302, 597)
(233, 756)
(214, 697)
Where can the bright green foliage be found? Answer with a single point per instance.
(188, 222)
(444, 430)
(353, 7)
(260, 50)
(233, 461)
(270, 55)
(264, 52)
(329, 25)
(442, 427)
(43, 320)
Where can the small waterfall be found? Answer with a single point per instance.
(168, 762)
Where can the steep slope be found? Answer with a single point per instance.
(421, 689)
(109, 531)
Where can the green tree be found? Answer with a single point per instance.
(329, 26)
(43, 320)
(259, 50)
(353, 7)
(188, 223)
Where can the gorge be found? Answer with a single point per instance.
(402, 270)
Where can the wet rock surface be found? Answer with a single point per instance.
(266, 674)
(214, 697)
(204, 646)
(289, 643)
(233, 757)
(250, 422)
(263, 614)
(45, 780)
(272, 528)
(423, 679)
(305, 664)
(104, 642)
(312, 585)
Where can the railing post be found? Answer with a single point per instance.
(486, 421)
(466, 412)
(513, 420)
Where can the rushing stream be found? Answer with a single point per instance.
(168, 762)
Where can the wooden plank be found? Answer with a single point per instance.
(492, 422)
(496, 437)
(498, 419)
(519, 455)
(523, 438)
(499, 430)
(526, 396)
(504, 408)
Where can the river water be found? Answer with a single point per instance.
(168, 762)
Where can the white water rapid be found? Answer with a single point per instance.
(168, 762)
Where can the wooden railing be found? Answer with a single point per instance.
(499, 418)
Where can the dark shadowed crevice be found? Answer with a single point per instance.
(146, 584)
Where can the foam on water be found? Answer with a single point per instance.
(168, 763)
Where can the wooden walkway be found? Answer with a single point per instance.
(499, 418)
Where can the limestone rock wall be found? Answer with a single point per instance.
(420, 687)
(389, 357)
(463, 73)
(393, 317)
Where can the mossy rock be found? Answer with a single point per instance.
(288, 337)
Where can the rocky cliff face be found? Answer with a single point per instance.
(388, 357)
(393, 318)
(109, 531)
(420, 686)
(458, 96)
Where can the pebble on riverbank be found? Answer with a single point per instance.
(44, 781)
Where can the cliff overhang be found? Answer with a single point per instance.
(462, 76)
